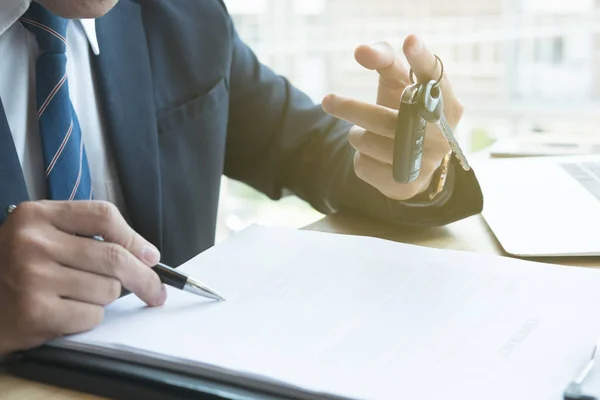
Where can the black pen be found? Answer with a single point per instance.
(170, 276)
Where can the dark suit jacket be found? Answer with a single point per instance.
(185, 100)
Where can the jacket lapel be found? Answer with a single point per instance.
(126, 93)
(13, 189)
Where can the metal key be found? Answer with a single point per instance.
(431, 107)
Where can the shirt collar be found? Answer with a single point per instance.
(89, 27)
(12, 10)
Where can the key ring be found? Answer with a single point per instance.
(438, 82)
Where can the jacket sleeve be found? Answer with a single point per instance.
(279, 141)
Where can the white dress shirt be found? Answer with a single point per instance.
(19, 51)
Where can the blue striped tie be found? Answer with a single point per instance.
(65, 161)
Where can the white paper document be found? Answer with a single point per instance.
(365, 318)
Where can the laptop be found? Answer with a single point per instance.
(543, 206)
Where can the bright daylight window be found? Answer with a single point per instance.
(528, 71)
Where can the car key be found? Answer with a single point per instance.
(430, 106)
(409, 137)
(420, 103)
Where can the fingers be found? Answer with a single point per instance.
(421, 60)
(381, 148)
(375, 118)
(392, 69)
(118, 258)
(379, 175)
(39, 318)
(84, 286)
(113, 261)
(72, 317)
(382, 58)
(426, 67)
(92, 218)
(370, 144)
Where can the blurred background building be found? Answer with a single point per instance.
(521, 67)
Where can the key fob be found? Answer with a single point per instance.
(409, 137)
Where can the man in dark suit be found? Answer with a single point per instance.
(170, 100)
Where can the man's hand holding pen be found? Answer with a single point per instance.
(53, 283)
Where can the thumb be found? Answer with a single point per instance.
(376, 56)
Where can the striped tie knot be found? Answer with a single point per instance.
(49, 29)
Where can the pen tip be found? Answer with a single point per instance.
(214, 295)
(193, 286)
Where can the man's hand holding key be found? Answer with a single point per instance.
(375, 124)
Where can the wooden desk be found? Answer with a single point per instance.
(469, 235)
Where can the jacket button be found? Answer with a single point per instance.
(10, 208)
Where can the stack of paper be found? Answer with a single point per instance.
(364, 318)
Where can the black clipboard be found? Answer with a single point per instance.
(123, 380)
